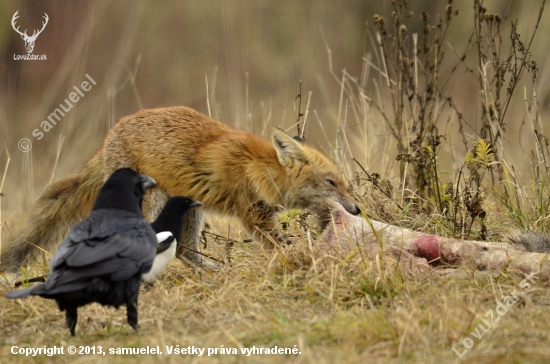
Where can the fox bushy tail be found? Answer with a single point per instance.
(533, 241)
(64, 203)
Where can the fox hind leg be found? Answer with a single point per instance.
(153, 202)
(188, 244)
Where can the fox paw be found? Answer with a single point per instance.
(285, 240)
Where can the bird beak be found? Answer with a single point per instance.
(195, 204)
(147, 182)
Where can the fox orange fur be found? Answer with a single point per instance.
(230, 171)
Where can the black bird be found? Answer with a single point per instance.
(104, 256)
(168, 228)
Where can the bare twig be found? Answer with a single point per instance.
(305, 116)
(384, 192)
(300, 132)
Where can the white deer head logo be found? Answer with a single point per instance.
(29, 41)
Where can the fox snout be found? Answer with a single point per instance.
(342, 200)
(350, 206)
(355, 210)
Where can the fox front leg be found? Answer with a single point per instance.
(261, 222)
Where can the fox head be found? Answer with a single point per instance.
(314, 181)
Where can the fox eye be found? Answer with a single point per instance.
(331, 182)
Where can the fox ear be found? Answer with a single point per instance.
(287, 148)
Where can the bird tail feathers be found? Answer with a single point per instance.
(21, 293)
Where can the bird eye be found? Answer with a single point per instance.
(331, 182)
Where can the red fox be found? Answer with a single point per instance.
(230, 171)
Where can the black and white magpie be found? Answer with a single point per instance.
(104, 256)
(168, 228)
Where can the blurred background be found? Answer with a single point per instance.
(241, 62)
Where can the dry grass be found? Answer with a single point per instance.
(335, 309)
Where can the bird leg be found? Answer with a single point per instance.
(71, 316)
(132, 314)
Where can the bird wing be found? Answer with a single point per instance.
(93, 251)
(164, 240)
(64, 250)
(97, 229)
(117, 257)
(166, 250)
(103, 223)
